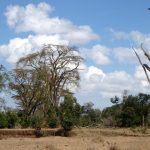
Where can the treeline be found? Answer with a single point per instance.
(130, 111)
(68, 114)
(40, 83)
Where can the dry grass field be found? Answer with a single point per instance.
(83, 139)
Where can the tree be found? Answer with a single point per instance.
(90, 116)
(41, 78)
(4, 78)
(132, 111)
(144, 100)
(144, 66)
(28, 90)
(115, 100)
(70, 112)
(111, 115)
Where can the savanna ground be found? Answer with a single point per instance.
(83, 139)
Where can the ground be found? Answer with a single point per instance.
(83, 139)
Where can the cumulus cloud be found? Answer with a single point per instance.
(135, 37)
(123, 54)
(38, 19)
(140, 75)
(19, 47)
(119, 34)
(99, 54)
(127, 55)
(99, 87)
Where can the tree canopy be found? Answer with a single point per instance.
(41, 78)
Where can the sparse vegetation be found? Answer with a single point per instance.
(113, 147)
(84, 139)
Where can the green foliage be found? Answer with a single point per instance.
(3, 120)
(132, 111)
(40, 78)
(111, 115)
(52, 117)
(4, 80)
(3, 77)
(53, 122)
(25, 121)
(12, 119)
(36, 122)
(85, 121)
(67, 123)
(90, 116)
(69, 112)
(128, 117)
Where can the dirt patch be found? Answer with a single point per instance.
(83, 139)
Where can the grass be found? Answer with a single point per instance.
(82, 139)
(51, 147)
(113, 147)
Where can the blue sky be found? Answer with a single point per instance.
(103, 30)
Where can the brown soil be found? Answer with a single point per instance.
(82, 139)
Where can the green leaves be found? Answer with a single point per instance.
(70, 112)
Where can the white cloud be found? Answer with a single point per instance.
(19, 47)
(99, 54)
(124, 54)
(38, 19)
(140, 76)
(118, 34)
(99, 87)
(127, 55)
(133, 37)
(94, 75)
(137, 37)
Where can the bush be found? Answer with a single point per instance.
(36, 122)
(3, 120)
(12, 119)
(69, 112)
(67, 124)
(52, 123)
(25, 121)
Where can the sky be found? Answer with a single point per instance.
(104, 32)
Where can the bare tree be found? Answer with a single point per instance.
(44, 76)
(144, 66)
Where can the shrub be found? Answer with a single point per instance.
(3, 120)
(36, 122)
(25, 121)
(69, 112)
(52, 123)
(12, 119)
(67, 124)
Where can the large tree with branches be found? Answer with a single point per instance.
(41, 78)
